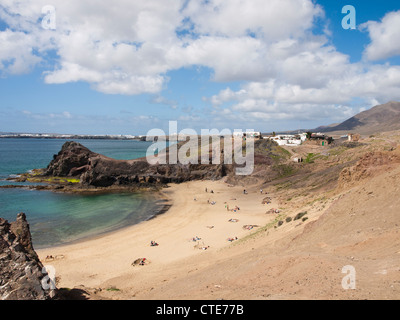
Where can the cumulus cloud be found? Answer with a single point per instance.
(271, 21)
(128, 47)
(384, 36)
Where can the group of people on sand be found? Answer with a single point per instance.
(235, 209)
(143, 261)
(212, 191)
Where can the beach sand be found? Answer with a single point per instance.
(106, 261)
(352, 226)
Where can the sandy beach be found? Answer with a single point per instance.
(351, 220)
(198, 223)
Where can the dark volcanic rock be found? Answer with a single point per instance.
(20, 268)
(93, 169)
(73, 159)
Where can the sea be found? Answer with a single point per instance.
(59, 218)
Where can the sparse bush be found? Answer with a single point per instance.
(300, 215)
(288, 219)
(280, 223)
(304, 219)
(284, 170)
(310, 158)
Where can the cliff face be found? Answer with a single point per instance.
(72, 160)
(93, 169)
(20, 268)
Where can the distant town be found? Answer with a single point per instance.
(281, 139)
(69, 136)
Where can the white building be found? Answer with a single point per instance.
(290, 140)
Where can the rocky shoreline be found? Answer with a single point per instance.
(76, 169)
(22, 275)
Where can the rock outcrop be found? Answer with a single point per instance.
(369, 165)
(93, 169)
(21, 273)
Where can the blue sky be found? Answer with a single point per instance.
(262, 65)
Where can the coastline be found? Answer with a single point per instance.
(161, 208)
(106, 261)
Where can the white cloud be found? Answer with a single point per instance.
(280, 99)
(158, 99)
(384, 36)
(272, 20)
(16, 52)
(128, 47)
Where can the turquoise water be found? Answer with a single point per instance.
(58, 218)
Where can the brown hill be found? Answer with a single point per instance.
(381, 118)
(354, 225)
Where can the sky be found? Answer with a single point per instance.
(126, 67)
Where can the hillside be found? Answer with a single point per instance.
(381, 118)
(352, 220)
(347, 195)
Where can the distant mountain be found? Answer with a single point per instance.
(382, 118)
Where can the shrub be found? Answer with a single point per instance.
(300, 215)
(288, 219)
(310, 158)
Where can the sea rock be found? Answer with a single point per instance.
(72, 158)
(93, 169)
(20, 268)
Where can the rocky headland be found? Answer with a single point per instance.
(76, 168)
